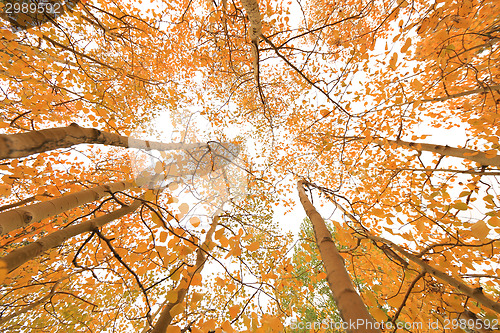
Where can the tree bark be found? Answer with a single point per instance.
(165, 316)
(468, 154)
(24, 144)
(489, 89)
(351, 306)
(23, 216)
(252, 9)
(28, 252)
(473, 293)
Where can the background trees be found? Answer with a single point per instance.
(319, 91)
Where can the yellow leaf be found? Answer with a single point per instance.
(176, 275)
(185, 250)
(156, 219)
(395, 302)
(460, 205)
(480, 230)
(378, 314)
(234, 311)
(416, 84)
(196, 297)
(220, 282)
(171, 296)
(149, 196)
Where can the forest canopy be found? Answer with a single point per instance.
(249, 166)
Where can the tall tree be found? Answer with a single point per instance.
(310, 86)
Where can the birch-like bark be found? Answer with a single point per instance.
(24, 144)
(29, 252)
(468, 154)
(165, 316)
(23, 216)
(473, 293)
(489, 89)
(252, 9)
(351, 306)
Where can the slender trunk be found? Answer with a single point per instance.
(24, 144)
(252, 9)
(28, 252)
(468, 154)
(445, 98)
(351, 306)
(165, 316)
(23, 216)
(473, 293)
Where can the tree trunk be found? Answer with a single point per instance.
(24, 144)
(252, 9)
(23, 216)
(28, 252)
(489, 89)
(351, 306)
(165, 316)
(474, 293)
(468, 154)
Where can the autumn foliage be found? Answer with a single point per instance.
(385, 113)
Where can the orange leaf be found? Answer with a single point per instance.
(196, 280)
(173, 329)
(194, 221)
(234, 311)
(253, 247)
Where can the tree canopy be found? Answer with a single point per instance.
(147, 149)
